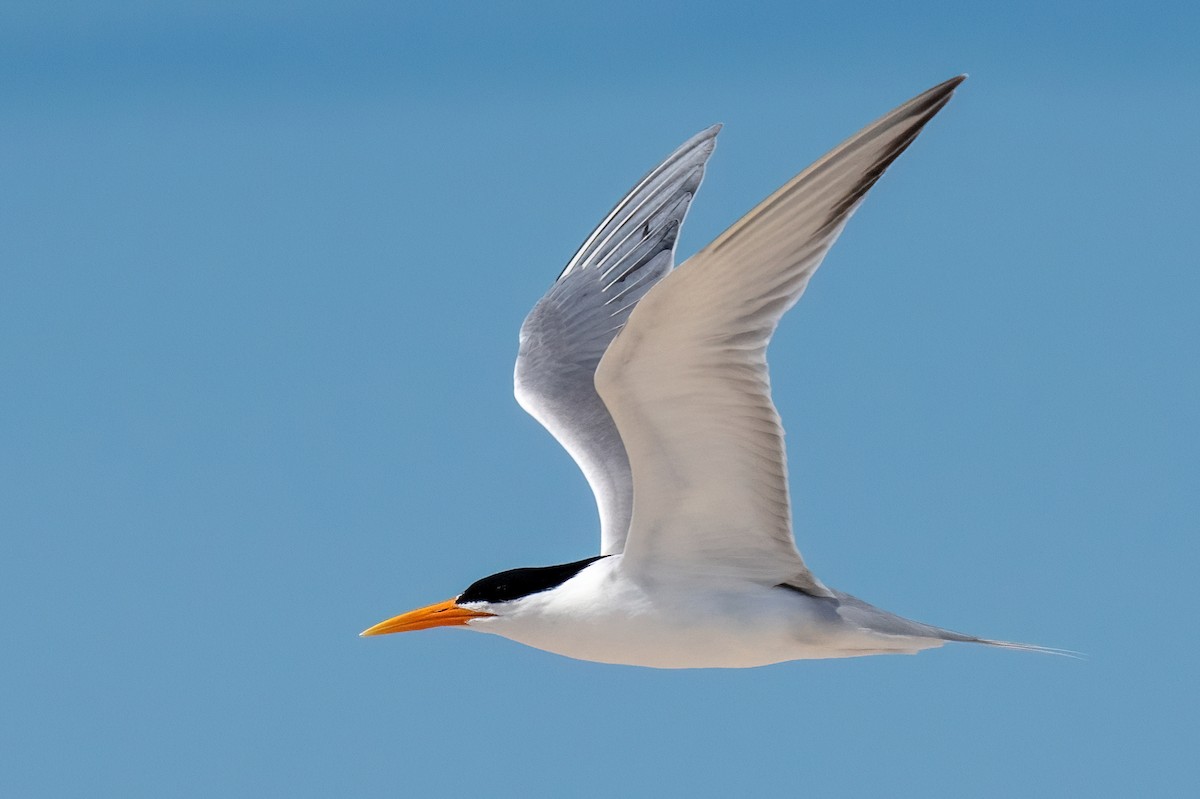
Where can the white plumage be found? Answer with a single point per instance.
(656, 382)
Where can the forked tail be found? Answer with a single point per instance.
(1045, 650)
(872, 618)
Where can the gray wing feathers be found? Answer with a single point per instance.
(565, 335)
(687, 381)
(782, 241)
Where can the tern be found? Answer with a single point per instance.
(655, 380)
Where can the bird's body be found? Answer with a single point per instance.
(655, 380)
(611, 614)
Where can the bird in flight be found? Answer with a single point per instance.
(655, 381)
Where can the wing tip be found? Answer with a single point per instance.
(706, 139)
(695, 150)
(949, 85)
(928, 102)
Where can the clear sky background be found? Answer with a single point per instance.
(262, 268)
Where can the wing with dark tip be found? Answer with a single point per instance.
(567, 332)
(687, 383)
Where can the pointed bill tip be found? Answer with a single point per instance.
(443, 614)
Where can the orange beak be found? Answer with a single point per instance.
(443, 614)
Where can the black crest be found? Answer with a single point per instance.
(516, 583)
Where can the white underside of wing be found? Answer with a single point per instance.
(686, 380)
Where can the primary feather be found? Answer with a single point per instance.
(567, 332)
(686, 381)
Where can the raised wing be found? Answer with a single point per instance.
(566, 333)
(687, 384)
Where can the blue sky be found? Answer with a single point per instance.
(263, 269)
